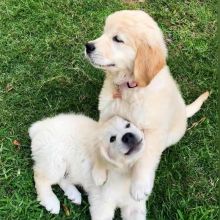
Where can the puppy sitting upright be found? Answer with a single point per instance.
(64, 149)
(139, 87)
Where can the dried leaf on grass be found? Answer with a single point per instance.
(8, 87)
(196, 123)
(66, 210)
(17, 144)
(133, 1)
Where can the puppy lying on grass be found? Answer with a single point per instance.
(64, 149)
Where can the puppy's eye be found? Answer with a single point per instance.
(127, 125)
(112, 138)
(117, 39)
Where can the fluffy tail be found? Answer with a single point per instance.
(194, 107)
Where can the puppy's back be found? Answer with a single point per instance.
(58, 140)
(62, 123)
(60, 134)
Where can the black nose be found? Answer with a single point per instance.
(89, 47)
(129, 139)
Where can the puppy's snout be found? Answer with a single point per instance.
(129, 139)
(89, 47)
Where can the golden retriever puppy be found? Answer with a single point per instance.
(64, 149)
(139, 87)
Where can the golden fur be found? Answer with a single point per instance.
(145, 69)
(132, 49)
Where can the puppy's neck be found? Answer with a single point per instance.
(123, 77)
(120, 77)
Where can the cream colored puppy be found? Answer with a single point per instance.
(139, 87)
(64, 149)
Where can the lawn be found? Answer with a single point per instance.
(43, 72)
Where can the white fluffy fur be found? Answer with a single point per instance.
(63, 150)
(156, 105)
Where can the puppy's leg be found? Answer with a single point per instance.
(45, 194)
(143, 173)
(134, 211)
(101, 209)
(70, 191)
(102, 212)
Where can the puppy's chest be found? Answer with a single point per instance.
(130, 107)
(118, 186)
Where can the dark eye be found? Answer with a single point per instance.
(112, 138)
(127, 125)
(117, 39)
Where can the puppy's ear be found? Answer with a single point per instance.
(148, 62)
(99, 173)
(99, 165)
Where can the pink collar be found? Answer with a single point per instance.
(129, 85)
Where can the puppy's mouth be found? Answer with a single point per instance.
(134, 149)
(96, 64)
(102, 66)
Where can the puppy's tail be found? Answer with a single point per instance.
(195, 106)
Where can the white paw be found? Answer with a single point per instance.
(74, 195)
(99, 176)
(51, 203)
(136, 214)
(140, 191)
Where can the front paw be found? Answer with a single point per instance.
(74, 195)
(140, 191)
(99, 176)
(51, 203)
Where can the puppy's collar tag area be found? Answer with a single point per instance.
(119, 87)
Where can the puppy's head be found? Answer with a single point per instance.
(120, 142)
(131, 47)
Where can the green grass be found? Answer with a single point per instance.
(43, 72)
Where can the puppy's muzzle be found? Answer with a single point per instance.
(90, 47)
(132, 143)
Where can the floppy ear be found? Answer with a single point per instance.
(99, 167)
(101, 164)
(106, 155)
(99, 173)
(148, 62)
